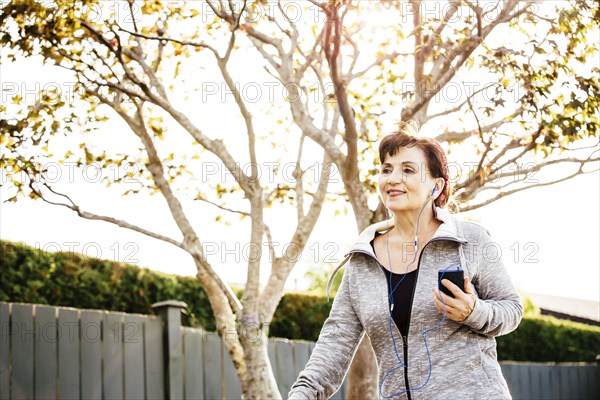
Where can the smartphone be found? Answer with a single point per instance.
(456, 277)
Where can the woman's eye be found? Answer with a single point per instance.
(385, 171)
(408, 170)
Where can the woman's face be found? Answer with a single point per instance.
(405, 182)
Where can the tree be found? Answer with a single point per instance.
(534, 94)
(115, 71)
(553, 104)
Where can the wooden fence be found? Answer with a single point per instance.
(66, 353)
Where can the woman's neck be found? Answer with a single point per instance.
(405, 223)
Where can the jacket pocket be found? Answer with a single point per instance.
(481, 370)
(489, 361)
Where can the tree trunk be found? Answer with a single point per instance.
(362, 376)
(260, 382)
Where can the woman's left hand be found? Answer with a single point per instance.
(459, 307)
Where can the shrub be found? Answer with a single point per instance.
(73, 280)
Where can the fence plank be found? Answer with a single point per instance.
(22, 352)
(302, 351)
(515, 372)
(581, 383)
(272, 354)
(545, 383)
(584, 383)
(301, 355)
(68, 353)
(515, 376)
(194, 374)
(212, 356)
(285, 360)
(133, 337)
(555, 383)
(536, 380)
(153, 349)
(46, 368)
(596, 381)
(563, 373)
(506, 373)
(519, 380)
(343, 389)
(5, 327)
(112, 355)
(592, 385)
(90, 325)
(574, 383)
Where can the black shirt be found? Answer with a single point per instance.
(402, 295)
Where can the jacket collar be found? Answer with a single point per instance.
(449, 230)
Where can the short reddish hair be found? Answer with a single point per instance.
(435, 155)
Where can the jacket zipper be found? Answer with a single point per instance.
(412, 297)
(405, 345)
(410, 307)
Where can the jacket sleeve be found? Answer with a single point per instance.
(498, 309)
(334, 350)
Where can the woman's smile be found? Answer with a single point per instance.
(393, 193)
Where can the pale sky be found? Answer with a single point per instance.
(548, 236)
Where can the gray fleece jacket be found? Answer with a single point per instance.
(463, 355)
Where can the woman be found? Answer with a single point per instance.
(428, 345)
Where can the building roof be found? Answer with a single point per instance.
(587, 309)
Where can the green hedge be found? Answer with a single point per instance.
(70, 279)
(546, 338)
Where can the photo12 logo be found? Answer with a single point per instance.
(71, 171)
(117, 252)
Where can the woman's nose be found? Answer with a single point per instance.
(396, 176)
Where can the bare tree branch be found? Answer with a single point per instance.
(537, 167)
(418, 32)
(263, 38)
(298, 176)
(244, 213)
(528, 147)
(460, 52)
(333, 37)
(270, 243)
(465, 208)
(459, 106)
(388, 57)
(168, 39)
(274, 288)
(92, 216)
(462, 136)
(312, 56)
(191, 243)
(428, 47)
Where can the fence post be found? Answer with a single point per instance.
(170, 312)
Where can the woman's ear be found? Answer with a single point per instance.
(439, 184)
